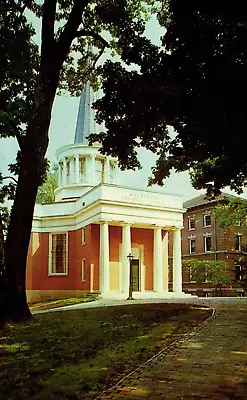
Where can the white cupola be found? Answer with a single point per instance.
(80, 166)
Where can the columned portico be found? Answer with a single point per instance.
(104, 258)
(126, 250)
(177, 261)
(158, 260)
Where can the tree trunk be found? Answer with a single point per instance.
(53, 53)
(2, 265)
(14, 301)
(1, 250)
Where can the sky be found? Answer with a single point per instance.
(62, 130)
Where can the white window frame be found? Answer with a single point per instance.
(50, 273)
(83, 236)
(189, 223)
(240, 271)
(239, 235)
(83, 270)
(204, 220)
(205, 243)
(190, 240)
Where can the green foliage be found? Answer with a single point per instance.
(212, 271)
(29, 80)
(194, 83)
(45, 193)
(231, 213)
(19, 61)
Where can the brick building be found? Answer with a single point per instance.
(204, 239)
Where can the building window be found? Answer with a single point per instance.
(192, 274)
(238, 241)
(239, 272)
(207, 243)
(83, 236)
(82, 163)
(192, 245)
(99, 171)
(191, 223)
(206, 220)
(58, 260)
(83, 270)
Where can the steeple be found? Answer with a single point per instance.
(86, 116)
(80, 166)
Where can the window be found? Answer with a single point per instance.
(238, 241)
(99, 171)
(206, 220)
(192, 245)
(207, 243)
(83, 270)
(192, 274)
(83, 236)
(239, 272)
(82, 169)
(58, 262)
(191, 223)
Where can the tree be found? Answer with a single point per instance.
(232, 212)
(68, 27)
(45, 193)
(194, 83)
(18, 72)
(211, 271)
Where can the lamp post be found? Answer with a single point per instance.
(130, 258)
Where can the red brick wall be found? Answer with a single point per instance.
(94, 252)
(198, 231)
(37, 264)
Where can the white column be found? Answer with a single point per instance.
(106, 170)
(59, 174)
(92, 169)
(64, 183)
(88, 168)
(165, 262)
(126, 250)
(158, 264)
(104, 258)
(77, 168)
(114, 173)
(177, 261)
(71, 171)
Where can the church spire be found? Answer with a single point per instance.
(86, 116)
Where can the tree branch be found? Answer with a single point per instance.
(98, 57)
(10, 177)
(94, 35)
(48, 26)
(70, 29)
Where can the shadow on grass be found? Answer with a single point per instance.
(78, 354)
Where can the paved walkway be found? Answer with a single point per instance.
(208, 363)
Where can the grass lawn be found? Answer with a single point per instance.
(77, 354)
